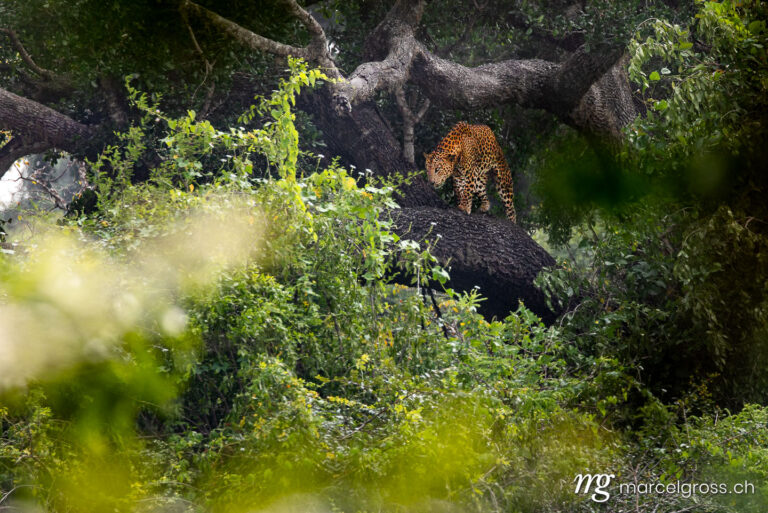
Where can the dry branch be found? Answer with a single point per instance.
(316, 51)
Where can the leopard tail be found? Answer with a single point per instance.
(503, 179)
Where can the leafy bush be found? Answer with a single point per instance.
(230, 342)
(670, 277)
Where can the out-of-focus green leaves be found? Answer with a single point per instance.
(265, 362)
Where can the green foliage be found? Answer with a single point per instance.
(683, 301)
(705, 126)
(312, 373)
(87, 41)
(731, 317)
(227, 338)
(666, 271)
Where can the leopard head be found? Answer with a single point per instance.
(439, 167)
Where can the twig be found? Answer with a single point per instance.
(35, 178)
(208, 70)
(438, 312)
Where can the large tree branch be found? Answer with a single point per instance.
(452, 85)
(569, 90)
(36, 128)
(492, 254)
(588, 91)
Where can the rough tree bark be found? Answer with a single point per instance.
(588, 91)
(492, 254)
(37, 128)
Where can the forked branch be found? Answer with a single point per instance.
(410, 120)
(571, 90)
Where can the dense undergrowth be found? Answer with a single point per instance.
(211, 341)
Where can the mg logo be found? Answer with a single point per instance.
(602, 481)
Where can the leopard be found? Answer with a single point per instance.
(471, 153)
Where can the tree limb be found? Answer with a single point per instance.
(316, 50)
(568, 89)
(495, 255)
(16, 42)
(37, 128)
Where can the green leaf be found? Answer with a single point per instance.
(756, 26)
(654, 77)
(440, 275)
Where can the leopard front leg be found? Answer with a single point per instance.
(463, 194)
(481, 190)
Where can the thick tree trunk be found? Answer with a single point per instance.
(364, 140)
(495, 255)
